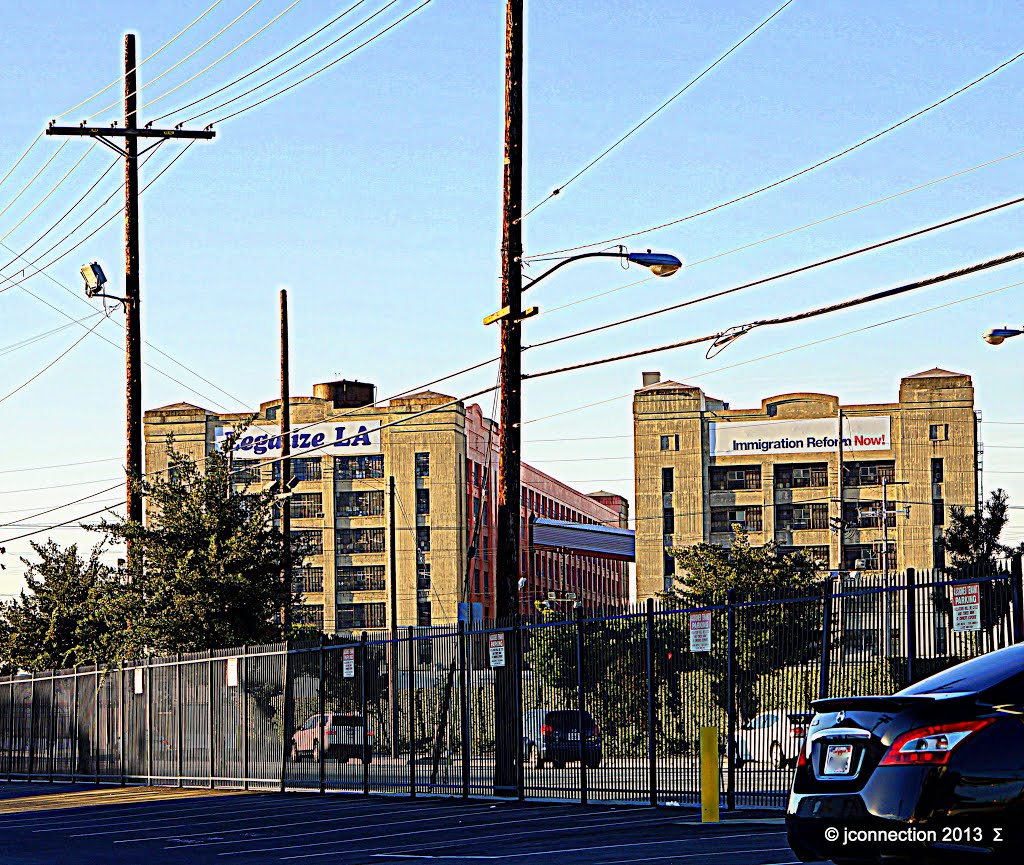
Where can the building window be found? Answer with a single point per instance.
(308, 614)
(245, 471)
(423, 614)
(938, 555)
(422, 539)
(272, 412)
(668, 521)
(937, 472)
(869, 474)
(669, 564)
(359, 503)
(750, 518)
(938, 512)
(351, 616)
(349, 542)
(670, 443)
(938, 432)
(355, 578)
(308, 579)
(354, 468)
(423, 502)
(309, 542)
(797, 476)
(423, 576)
(423, 465)
(745, 478)
(302, 468)
(306, 506)
(668, 480)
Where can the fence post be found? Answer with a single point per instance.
(580, 701)
(367, 748)
(826, 639)
(209, 715)
(1017, 591)
(53, 723)
(96, 724)
(147, 687)
(517, 654)
(287, 711)
(32, 725)
(411, 654)
(122, 750)
(911, 624)
(243, 684)
(74, 729)
(464, 711)
(652, 745)
(321, 707)
(180, 718)
(730, 700)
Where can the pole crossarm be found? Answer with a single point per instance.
(123, 132)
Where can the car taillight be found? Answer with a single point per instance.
(547, 730)
(796, 731)
(596, 732)
(801, 758)
(930, 745)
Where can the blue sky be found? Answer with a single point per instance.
(373, 193)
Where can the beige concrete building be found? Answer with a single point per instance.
(702, 467)
(444, 467)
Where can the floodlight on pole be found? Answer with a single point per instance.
(94, 278)
(998, 335)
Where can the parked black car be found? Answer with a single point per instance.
(933, 773)
(555, 737)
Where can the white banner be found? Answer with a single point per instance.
(342, 437)
(799, 436)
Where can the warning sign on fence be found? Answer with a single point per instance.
(700, 632)
(231, 673)
(967, 607)
(348, 663)
(496, 649)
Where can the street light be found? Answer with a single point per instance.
(998, 334)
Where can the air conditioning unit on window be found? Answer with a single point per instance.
(861, 564)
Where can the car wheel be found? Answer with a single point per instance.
(776, 757)
(295, 753)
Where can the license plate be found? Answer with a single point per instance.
(574, 737)
(838, 760)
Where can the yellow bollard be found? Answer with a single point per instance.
(709, 774)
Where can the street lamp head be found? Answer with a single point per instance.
(998, 335)
(659, 263)
(94, 278)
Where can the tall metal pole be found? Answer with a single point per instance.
(393, 599)
(509, 454)
(885, 535)
(132, 302)
(841, 526)
(286, 464)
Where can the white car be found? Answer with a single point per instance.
(772, 737)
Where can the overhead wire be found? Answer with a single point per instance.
(34, 177)
(806, 170)
(262, 66)
(324, 68)
(558, 189)
(938, 226)
(31, 340)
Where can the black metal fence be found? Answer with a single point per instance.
(611, 708)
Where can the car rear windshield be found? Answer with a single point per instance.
(978, 674)
(567, 718)
(348, 721)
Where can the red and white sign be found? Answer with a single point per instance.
(496, 649)
(700, 632)
(348, 663)
(967, 607)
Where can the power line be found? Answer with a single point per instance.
(723, 338)
(796, 174)
(322, 68)
(33, 179)
(24, 343)
(59, 466)
(792, 349)
(791, 272)
(654, 113)
(262, 66)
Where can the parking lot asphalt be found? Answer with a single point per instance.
(153, 826)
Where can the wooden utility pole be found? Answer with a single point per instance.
(507, 745)
(132, 300)
(286, 466)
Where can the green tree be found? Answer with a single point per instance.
(972, 539)
(212, 559)
(68, 613)
(768, 637)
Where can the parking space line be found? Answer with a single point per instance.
(576, 827)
